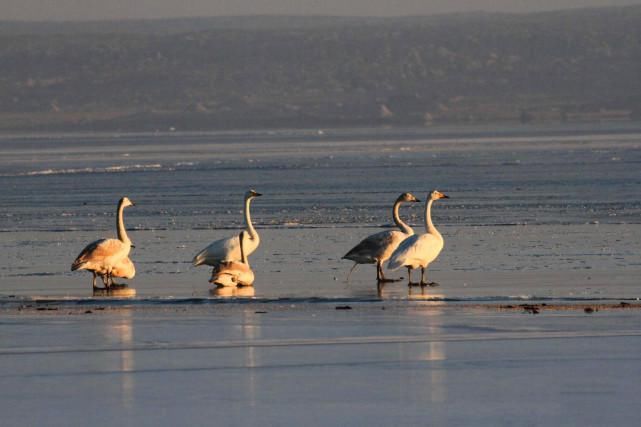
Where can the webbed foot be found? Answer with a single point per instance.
(430, 284)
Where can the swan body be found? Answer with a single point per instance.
(378, 247)
(419, 250)
(229, 249)
(234, 273)
(224, 250)
(125, 269)
(104, 256)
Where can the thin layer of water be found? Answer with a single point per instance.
(536, 215)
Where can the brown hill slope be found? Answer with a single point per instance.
(266, 72)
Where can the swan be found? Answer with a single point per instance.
(420, 250)
(125, 269)
(229, 249)
(234, 273)
(104, 256)
(377, 248)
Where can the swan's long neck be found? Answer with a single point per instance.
(122, 232)
(429, 226)
(248, 220)
(398, 221)
(243, 255)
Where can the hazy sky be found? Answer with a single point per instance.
(119, 9)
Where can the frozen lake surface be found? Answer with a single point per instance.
(478, 263)
(533, 212)
(378, 364)
(545, 216)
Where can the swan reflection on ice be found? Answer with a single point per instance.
(119, 336)
(411, 293)
(119, 291)
(231, 291)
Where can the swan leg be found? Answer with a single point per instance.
(94, 280)
(104, 283)
(409, 277)
(424, 282)
(380, 277)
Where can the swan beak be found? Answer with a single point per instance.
(417, 201)
(257, 194)
(444, 196)
(132, 246)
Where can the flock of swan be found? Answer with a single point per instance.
(109, 258)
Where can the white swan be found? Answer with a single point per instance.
(125, 269)
(229, 249)
(234, 273)
(378, 247)
(420, 250)
(103, 256)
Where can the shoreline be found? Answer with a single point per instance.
(104, 307)
(436, 132)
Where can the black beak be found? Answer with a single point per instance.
(257, 194)
(133, 246)
(445, 196)
(417, 201)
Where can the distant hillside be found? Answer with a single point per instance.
(219, 73)
(180, 25)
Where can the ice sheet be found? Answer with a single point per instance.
(537, 217)
(545, 261)
(315, 365)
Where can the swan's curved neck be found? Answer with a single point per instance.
(243, 255)
(248, 220)
(397, 219)
(122, 232)
(429, 226)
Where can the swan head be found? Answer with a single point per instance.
(125, 202)
(407, 197)
(435, 195)
(251, 194)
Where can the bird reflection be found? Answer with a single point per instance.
(121, 334)
(121, 291)
(438, 377)
(251, 331)
(423, 294)
(233, 291)
(387, 291)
